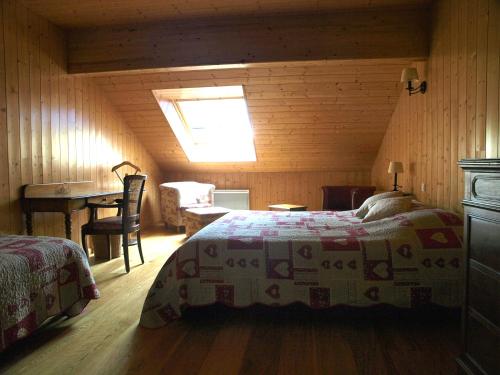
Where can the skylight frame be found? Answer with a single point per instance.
(242, 150)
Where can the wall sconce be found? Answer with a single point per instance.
(395, 167)
(409, 75)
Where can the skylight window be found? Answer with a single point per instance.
(211, 123)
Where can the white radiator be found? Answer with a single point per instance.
(233, 199)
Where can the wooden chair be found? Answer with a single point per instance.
(127, 220)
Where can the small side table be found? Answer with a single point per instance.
(287, 207)
(198, 218)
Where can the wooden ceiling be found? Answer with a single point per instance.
(327, 110)
(89, 13)
(326, 115)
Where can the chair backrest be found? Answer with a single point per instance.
(340, 198)
(133, 187)
(360, 194)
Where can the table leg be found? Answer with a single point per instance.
(29, 223)
(67, 224)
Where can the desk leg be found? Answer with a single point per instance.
(29, 223)
(67, 224)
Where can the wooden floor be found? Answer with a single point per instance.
(106, 339)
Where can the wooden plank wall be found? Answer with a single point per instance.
(279, 187)
(55, 127)
(459, 115)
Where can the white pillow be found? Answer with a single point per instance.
(365, 207)
(388, 207)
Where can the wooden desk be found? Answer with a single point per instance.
(287, 207)
(61, 197)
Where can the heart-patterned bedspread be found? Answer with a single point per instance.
(40, 277)
(320, 259)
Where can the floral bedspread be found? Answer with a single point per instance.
(40, 277)
(321, 259)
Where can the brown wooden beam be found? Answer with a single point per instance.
(343, 35)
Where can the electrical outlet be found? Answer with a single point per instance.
(422, 187)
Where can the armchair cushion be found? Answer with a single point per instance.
(176, 197)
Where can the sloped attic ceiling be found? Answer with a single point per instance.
(324, 115)
(311, 115)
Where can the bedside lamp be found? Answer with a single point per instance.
(395, 167)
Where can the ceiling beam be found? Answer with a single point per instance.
(368, 34)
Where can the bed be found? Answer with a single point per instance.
(40, 277)
(321, 259)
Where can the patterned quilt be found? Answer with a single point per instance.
(320, 259)
(40, 277)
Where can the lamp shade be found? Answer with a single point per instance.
(409, 74)
(395, 167)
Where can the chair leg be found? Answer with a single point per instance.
(84, 243)
(109, 246)
(139, 245)
(125, 252)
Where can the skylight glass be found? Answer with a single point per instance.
(211, 124)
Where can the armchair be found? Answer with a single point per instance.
(176, 197)
(344, 198)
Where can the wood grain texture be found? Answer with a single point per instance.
(302, 188)
(323, 115)
(55, 127)
(368, 34)
(106, 338)
(77, 14)
(458, 116)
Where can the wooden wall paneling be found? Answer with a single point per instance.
(63, 120)
(429, 142)
(13, 120)
(454, 106)
(77, 82)
(72, 154)
(4, 150)
(458, 116)
(492, 94)
(482, 61)
(446, 86)
(462, 94)
(35, 95)
(54, 106)
(24, 94)
(471, 77)
(438, 124)
(85, 130)
(55, 127)
(98, 135)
